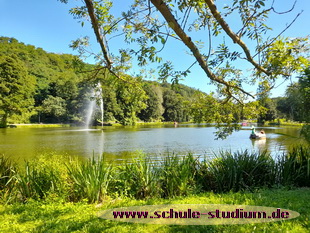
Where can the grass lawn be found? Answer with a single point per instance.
(38, 125)
(58, 216)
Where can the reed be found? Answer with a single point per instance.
(177, 175)
(294, 167)
(7, 172)
(35, 183)
(89, 179)
(138, 179)
(240, 171)
(95, 180)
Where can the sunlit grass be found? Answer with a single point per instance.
(59, 216)
(38, 125)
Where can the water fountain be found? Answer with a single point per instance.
(101, 102)
(96, 94)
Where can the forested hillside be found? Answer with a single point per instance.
(41, 87)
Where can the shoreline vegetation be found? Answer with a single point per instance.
(61, 187)
(94, 179)
(277, 122)
(37, 125)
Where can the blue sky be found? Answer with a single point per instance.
(48, 24)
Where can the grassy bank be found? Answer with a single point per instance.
(53, 215)
(37, 125)
(284, 122)
(55, 193)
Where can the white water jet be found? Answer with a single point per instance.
(90, 110)
(96, 94)
(101, 102)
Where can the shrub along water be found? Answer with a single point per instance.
(239, 171)
(95, 180)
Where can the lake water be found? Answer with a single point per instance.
(119, 143)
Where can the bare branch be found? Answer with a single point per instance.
(210, 41)
(186, 16)
(284, 12)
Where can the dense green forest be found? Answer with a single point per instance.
(41, 87)
(294, 106)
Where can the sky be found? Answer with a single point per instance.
(47, 24)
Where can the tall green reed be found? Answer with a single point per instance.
(177, 175)
(294, 167)
(138, 179)
(35, 183)
(89, 179)
(94, 179)
(7, 172)
(241, 171)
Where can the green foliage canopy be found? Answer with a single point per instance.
(16, 88)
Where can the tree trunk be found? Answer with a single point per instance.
(4, 119)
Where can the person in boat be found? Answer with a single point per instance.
(253, 133)
(175, 123)
(253, 130)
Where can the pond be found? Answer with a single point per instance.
(120, 143)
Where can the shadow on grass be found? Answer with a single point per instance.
(39, 216)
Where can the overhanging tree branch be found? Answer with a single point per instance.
(236, 39)
(100, 38)
(166, 13)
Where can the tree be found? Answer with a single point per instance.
(270, 58)
(304, 83)
(16, 88)
(173, 105)
(268, 106)
(131, 99)
(204, 107)
(150, 26)
(299, 97)
(296, 103)
(54, 108)
(154, 109)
